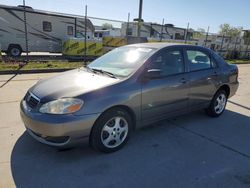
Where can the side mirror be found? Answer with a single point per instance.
(153, 73)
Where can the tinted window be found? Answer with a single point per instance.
(170, 62)
(47, 26)
(218, 58)
(198, 60)
(70, 30)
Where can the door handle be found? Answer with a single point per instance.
(215, 73)
(183, 80)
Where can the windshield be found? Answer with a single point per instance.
(122, 61)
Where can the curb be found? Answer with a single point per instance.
(33, 71)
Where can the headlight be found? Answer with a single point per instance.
(62, 106)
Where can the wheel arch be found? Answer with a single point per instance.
(226, 88)
(12, 44)
(124, 107)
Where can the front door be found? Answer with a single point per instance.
(168, 93)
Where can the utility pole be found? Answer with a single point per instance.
(140, 18)
(206, 36)
(186, 33)
(85, 38)
(26, 32)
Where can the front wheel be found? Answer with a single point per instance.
(111, 131)
(218, 104)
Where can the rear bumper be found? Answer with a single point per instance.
(233, 88)
(57, 130)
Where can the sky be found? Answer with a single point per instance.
(198, 13)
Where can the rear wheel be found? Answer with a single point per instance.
(111, 131)
(218, 104)
(14, 51)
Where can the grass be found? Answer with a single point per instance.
(40, 65)
(238, 61)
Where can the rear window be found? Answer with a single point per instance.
(70, 30)
(198, 60)
(219, 59)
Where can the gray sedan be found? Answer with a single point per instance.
(127, 88)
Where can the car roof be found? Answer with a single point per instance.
(159, 45)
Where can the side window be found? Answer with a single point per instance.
(169, 61)
(218, 58)
(70, 30)
(198, 60)
(47, 26)
(130, 31)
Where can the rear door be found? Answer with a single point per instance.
(169, 93)
(203, 76)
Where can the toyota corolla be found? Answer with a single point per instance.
(127, 88)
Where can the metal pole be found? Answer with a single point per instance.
(128, 24)
(162, 29)
(85, 38)
(228, 44)
(75, 26)
(248, 40)
(240, 48)
(206, 36)
(235, 45)
(186, 33)
(140, 17)
(26, 32)
(151, 28)
(222, 41)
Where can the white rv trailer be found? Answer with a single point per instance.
(45, 30)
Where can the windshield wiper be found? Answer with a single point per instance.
(101, 71)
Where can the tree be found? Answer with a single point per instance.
(230, 31)
(107, 26)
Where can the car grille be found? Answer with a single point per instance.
(31, 100)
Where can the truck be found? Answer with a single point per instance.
(46, 30)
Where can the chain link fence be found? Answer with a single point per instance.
(64, 35)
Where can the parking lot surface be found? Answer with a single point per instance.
(187, 151)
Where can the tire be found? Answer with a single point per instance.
(218, 104)
(14, 51)
(111, 131)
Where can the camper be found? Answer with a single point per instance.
(45, 30)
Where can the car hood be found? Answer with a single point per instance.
(70, 84)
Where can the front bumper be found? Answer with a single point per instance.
(57, 130)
